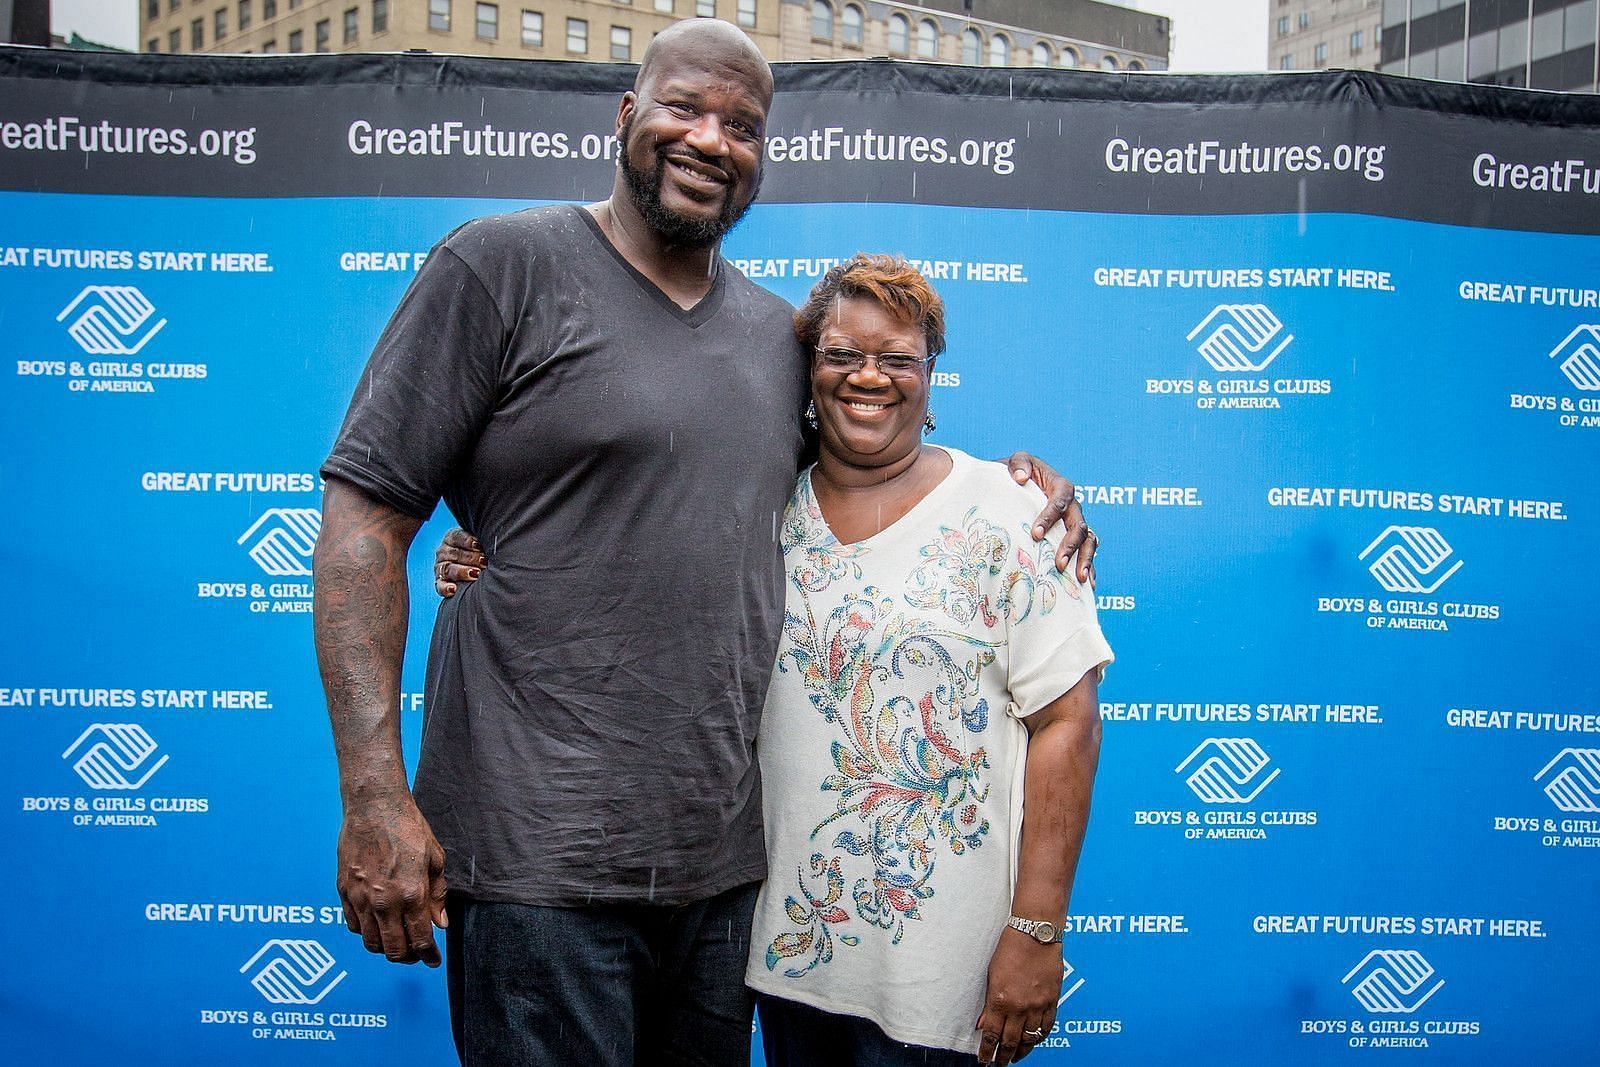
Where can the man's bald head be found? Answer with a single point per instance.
(703, 44)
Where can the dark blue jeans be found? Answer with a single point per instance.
(798, 1035)
(611, 985)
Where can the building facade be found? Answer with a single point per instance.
(1055, 33)
(1537, 44)
(1320, 34)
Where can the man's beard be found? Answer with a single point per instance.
(675, 229)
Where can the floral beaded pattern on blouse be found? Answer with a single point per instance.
(900, 689)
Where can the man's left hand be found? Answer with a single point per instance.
(1062, 506)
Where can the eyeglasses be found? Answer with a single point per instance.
(889, 364)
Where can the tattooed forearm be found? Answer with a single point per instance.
(360, 610)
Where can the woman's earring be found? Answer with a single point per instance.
(928, 422)
(811, 414)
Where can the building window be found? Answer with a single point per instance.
(1304, 20)
(352, 22)
(269, 9)
(1134, 64)
(747, 13)
(1042, 56)
(197, 34)
(380, 16)
(927, 40)
(486, 24)
(899, 35)
(324, 34)
(971, 47)
(1069, 58)
(297, 41)
(174, 40)
(1355, 43)
(621, 44)
(999, 50)
(1319, 54)
(706, 9)
(219, 24)
(578, 36)
(268, 47)
(152, 10)
(244, 15)
(1109, 61)
(439, 15)
(850, 24)
(821, 20)
(627, 2)
(533, 29)
(1286, 61)
(153, 45)
(1283, 25)
(664, 5)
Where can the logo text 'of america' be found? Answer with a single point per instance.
(1228, 770)
(1240, 337)
(1392, 981)
(115, 755)
(114, 320)
(1412, 559)
(282, 539)
(290, 971)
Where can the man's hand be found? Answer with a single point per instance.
(1062, 506)
(391, 880)
(458, 559)
(1019, 1006)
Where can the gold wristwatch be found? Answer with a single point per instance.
(1042, 931)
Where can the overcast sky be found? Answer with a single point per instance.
(1207, 35)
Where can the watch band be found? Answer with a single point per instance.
(1041, 930)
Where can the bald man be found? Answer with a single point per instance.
(614, 412)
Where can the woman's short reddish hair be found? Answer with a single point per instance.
(891, 281)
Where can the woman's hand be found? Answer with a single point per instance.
(1062, 506)
(458, 559)
(1020, 1005)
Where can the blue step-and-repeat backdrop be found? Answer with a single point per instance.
(1323, 352)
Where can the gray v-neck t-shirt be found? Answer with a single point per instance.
(592, 701)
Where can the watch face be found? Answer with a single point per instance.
(1044, 933)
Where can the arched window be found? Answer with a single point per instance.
(850, 22)
(927, 40)
(1042, 56)
(971, 47)
(1069, 58)
(999, 51)
(1109, 62)
(1134, 64)
(899, 35)
(821, 20)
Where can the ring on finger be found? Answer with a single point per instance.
(1033, 1035)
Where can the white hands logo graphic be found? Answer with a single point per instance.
(282, 540)
(1069, 985)
(1579, 356)
(1574, 779)
(1392, 981)
(1410, 554)
(1227, 766)
(114, 753)
(294, 972)
(1240, 335)
(115, 320)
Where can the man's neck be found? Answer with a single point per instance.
(684, 272)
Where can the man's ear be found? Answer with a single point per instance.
(624, 109)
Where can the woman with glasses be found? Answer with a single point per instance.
(936, 680)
